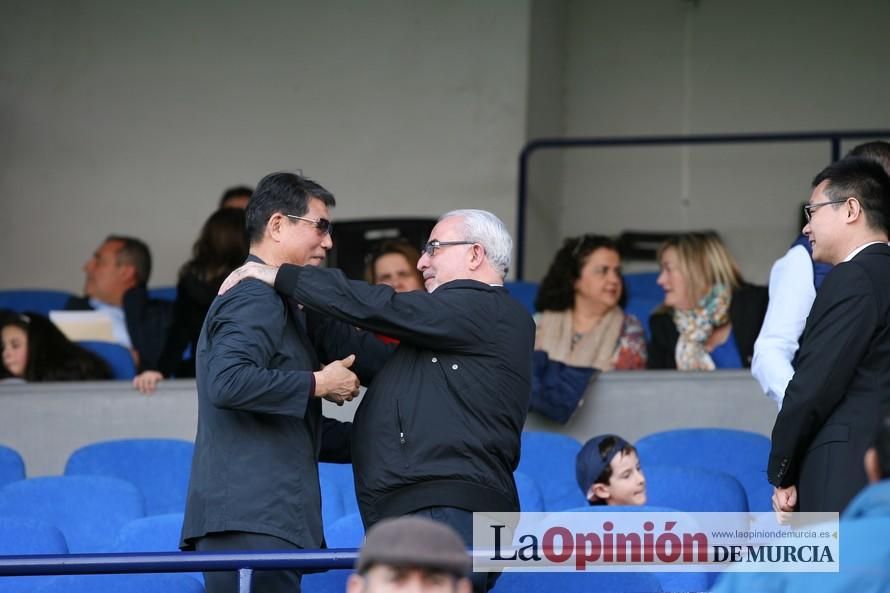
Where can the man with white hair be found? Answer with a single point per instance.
(438, 432)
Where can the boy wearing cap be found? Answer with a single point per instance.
(411, 554)
(608, 471)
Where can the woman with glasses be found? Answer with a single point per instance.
(710, 317)
(580, 320)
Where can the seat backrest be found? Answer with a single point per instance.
(549, 459)
(331, 500)
(12, 466)
(20, 536)
(118, 358)
(118, 583)
(739, 453)
(88, 510)
(346, 532)
(576, 582)
(37, 300)
(524, 292)
(157, 533)
(341, 476)
(693, 489)
(530, 498)
(158, 467)
(164, 293)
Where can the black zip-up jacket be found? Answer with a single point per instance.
(440, 424)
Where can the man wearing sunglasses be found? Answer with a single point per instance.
(254, 482)
(438, 432)
(839, 389)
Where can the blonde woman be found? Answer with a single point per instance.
(710, 317)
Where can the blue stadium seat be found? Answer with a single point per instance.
(332, 581)
(549, 459)
(12, 466)
(576, 582)
(693, 489)
(118, 358)
(158, 533)
(39, 301)
(122, 583)
(164, 293)
(524, 292)
(530, 498)
(340, 477)
(158, 467)
(19, 537)
(643, 285)
(346, 532)
(88, 510)
(331, 501)
(739, 453)
(642, 308)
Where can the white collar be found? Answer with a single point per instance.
(856, 251)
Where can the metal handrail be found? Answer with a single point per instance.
(243, 562)
(834, 137)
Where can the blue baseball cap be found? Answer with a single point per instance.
(590, 463)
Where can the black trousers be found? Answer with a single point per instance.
(264, 581)
(462, 522)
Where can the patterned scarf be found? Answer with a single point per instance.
(695, 327)
(595, 349)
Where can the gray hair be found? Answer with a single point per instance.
(483, 227)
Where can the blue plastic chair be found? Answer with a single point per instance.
(339, 476)
(576, 582)
(158, 467)
(331, 501)
(164, 293)
(158, 533)
(39, 301)
(530, 498)
(693, 489)
(122, 583)
(524, 292)
(332, 581)
(88, 510)
(739, 453)
(346, 532)
(643, 285)
(549, 459)
(118, 358)
(19, 537)
(12, 466)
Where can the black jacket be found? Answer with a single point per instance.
(148, 322)
(841, 386)
(260, 430)
(193, 298)
(746, 312)
(440, 424)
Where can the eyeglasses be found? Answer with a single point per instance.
(809, 208)
(430, 247)
(324, 225)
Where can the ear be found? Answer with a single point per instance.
(464, 586)
(600, 491)
(355, 583)
(275, 226)
(854, 210)
(477, 256)
(127, 273)
(872, 466)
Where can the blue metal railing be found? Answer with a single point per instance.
(833, 137)
(245, 563)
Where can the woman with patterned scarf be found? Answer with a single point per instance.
(710, 317)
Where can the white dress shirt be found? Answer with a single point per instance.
(791, 295)
(118, 322)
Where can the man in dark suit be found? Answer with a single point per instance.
(841, 382)
(116, 277)
(254, 482)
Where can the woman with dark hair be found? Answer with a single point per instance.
(580, 320)
(395, 264)
(221, 247)
(34, 349)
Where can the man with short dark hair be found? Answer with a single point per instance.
(411, 554)
(842, 371)
(254, 482)
(116, 284)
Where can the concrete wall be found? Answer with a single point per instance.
(47, 422)
(712, 66)
(132, 117)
